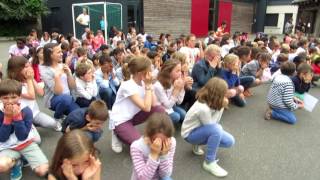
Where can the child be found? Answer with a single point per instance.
(19, 69)
(281, 98)
(169, 90)
(95, 61)
(82, 58)
(75, 157)
(230, 75)
(90, 119)
(156, 63)
(256, 68)
(137, 98)
(87, 88)
(37, 59)
(302, 81)
(152, 155)
(16, 134)
(201, 125)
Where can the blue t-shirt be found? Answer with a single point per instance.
(231, 79)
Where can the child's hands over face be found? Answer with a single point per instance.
(148, 78)
(93, 169)
(28, 74)
(264, 65)
(179, 84)
(93, 126)
(166, 146)
(188, 81)
(67, 170)
(156, 147)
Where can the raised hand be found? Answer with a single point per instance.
(156, 147)
(166, 146)
(148, 78)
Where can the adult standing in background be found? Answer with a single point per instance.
(84, 19)
(288, 27)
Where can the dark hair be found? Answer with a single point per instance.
(98, 110)
(212, 93)
(21, 40)
(282, 57)
(302, 42)
(64, 45)
(15, 67)
(302, 57)
(152, 54)
(104, 58)
(70, 145)
(304, 68)
(224, 23)
(103, 47)
(224, 40)
(255, 52)
(288, 68)
(159, 122)
(243, 51)
(117, 51)
(164, 74)
(10, 86)
(47, 52)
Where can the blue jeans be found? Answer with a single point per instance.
(108, 96)
(178, 114)
(166, 178)
(83, 102)
(247, 81)
(62, 105)
(284, 115)
(213, 136)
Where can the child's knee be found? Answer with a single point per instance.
(42, 170)
(6, 164)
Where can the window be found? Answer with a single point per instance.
(271, 20)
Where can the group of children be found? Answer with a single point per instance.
(165, 84)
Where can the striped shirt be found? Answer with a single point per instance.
(281, 93)
(144, 167)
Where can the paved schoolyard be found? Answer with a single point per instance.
(264, 150)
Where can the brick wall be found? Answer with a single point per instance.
(167, 16)
(242, 17)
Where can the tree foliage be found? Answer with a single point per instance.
(21, 9)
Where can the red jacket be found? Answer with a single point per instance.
(316, 69)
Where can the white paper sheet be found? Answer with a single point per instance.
(309, 102)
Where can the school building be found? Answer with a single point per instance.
(172, 16)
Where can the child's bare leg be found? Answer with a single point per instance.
(42, 170)
(6, 163)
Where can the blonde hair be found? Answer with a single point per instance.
(180, 57)
(230, 59)
(213, 47)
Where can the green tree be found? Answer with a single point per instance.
(22, 9)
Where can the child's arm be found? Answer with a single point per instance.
(166, 161)
(30, 88)
(5, 127)
(38, 90)
(167, 102)
(288, 94)
(22, 123)
(144, 170)
(70, 79)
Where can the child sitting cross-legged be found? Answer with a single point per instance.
(17, 135)
(89, 119)
(86, 86)
(230, 74)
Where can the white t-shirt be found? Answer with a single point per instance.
(225, 50)
(18, 52)
(300, 50)
(124, 109)
(32, 104)
(115, 40)
(83, 19)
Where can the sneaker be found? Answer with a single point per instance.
(196, 149)
(214, 169)
(16, 171)
(24, 162)
(58, 127)
(267, 115)
(116, 144)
